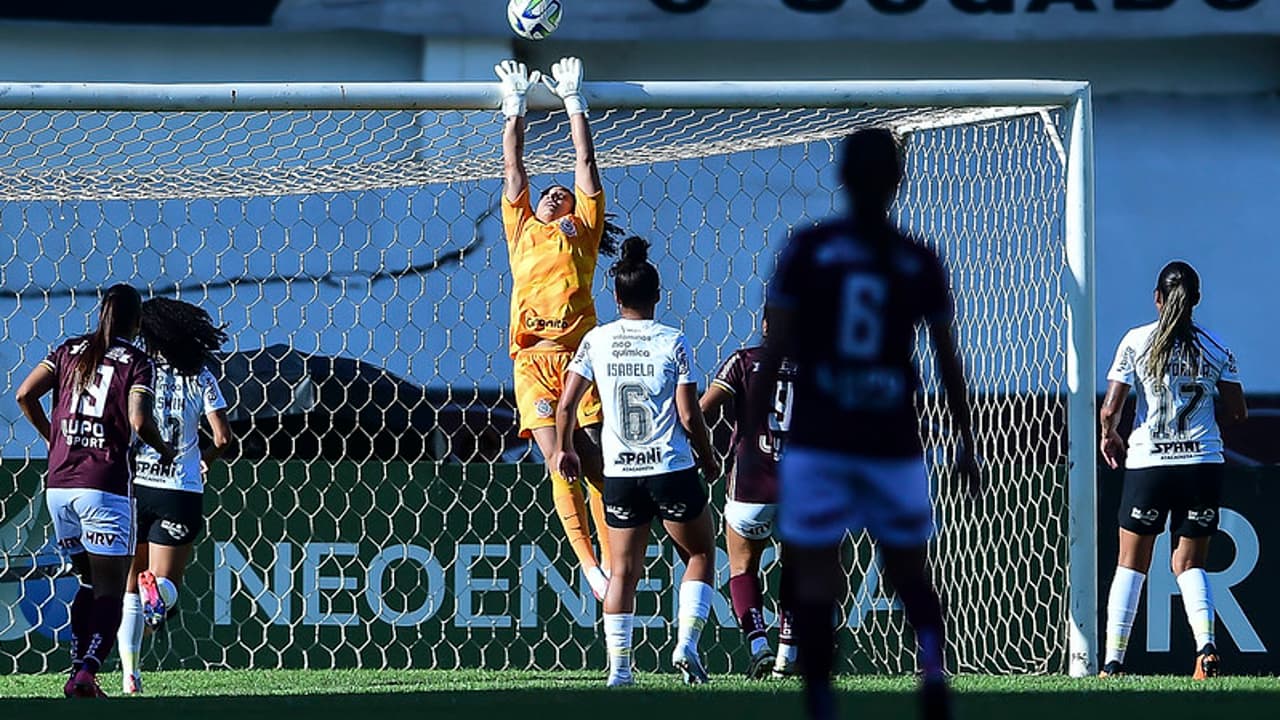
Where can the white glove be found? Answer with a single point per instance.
(566, 81)
(516, 81)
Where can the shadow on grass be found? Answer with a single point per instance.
(651, 704)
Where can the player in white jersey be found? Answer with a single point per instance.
(1186, 379)
(651, 423)
(181, 338)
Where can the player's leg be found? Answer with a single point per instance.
(129, 640)
(681, 500)
(180, 519)
(629, 517)
(587, 444)
(537, 385)
(107, 535)
(746, 535)
(571, 507)
(817, 507)
(1141, 517)
(1194, 520)
(899, 517)
(67, 531)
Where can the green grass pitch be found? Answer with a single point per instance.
(516, 695)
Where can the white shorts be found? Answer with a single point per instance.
(753, 521)
(93, 520)
(823, 495)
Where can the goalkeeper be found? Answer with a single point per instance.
(553, 249)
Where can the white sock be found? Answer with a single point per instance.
(1122, 605)
(1198, 601)
(786, 653)
(168, 591)
(129, 638)
(695, 606)
(617, 638)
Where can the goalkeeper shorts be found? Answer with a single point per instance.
(539, 380)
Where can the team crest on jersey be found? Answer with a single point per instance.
(543, 408)
(567, 227)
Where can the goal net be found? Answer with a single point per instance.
(378, 509)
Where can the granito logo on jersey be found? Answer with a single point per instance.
(543, 408)
(652, 456)
(1203, 518)
(537, 323)
(567, 227)
(1146, 517)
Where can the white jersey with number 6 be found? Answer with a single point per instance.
(1175, 422)
(636, 366)
(180, 401)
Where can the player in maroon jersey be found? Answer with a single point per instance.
(751, 498)
(102, 395)
(844, 304)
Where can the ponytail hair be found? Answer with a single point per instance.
(635, 280)
(1178, 288)
(119, 315)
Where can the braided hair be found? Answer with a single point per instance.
(182, 334)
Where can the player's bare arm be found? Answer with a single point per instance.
(951, 373)
(220, 429)
(563, 459)
(38, 384)
(1112, 445)
(1231, 405)
(144, 423)
(714, 399)
(515, 81)
(565, 80)
(696, 425)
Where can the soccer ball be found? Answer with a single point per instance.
(533, 19)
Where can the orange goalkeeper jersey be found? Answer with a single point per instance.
(553, 267)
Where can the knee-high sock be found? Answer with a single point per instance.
(692, 613)
(748, 607)
(81, 616)
(595, 496)
(103, 627)
(617, 637)
(572, 509)
(129, 639)
(1122, 605)
(1198, 601)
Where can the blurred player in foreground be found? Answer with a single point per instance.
(843, 305)
(102, 395)
(643, 371)
(751, 498)
(181, 339)
(1173, 462)
(553, 250)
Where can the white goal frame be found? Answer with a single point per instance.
(1075, 150)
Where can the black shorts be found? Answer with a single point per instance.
(168, 517)
(1188, 495)
(631, 502)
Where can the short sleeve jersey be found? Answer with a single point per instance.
(1175, 422)
(553, 268)
(855, 305)
(636, 366)
(180, 402)
(753, 473)
(91, 438)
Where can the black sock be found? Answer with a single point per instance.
(81, 617)
(107, 611)
(924, 612)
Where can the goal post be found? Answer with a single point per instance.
(379, 512)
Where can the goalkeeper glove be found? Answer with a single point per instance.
(516, 81)
(566, 81)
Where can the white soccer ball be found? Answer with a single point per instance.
(533, 19)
